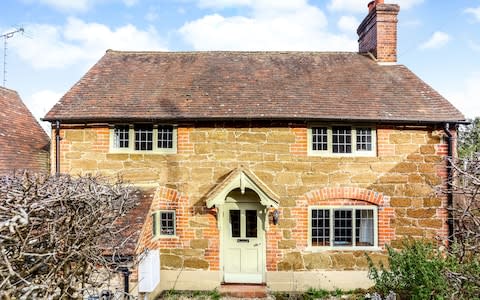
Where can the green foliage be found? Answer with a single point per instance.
(469, 139)
(415, 272)
(316, 294)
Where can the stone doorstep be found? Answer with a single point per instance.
(243, 290)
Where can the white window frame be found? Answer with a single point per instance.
(332, 229)
(157, 226)
(131, 140)
(329, 152)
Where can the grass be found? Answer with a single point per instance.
(310, 294)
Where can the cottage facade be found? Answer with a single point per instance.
(281, 168)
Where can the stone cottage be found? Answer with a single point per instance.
(24, 144)
(278, 168)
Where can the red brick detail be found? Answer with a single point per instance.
(384, 148)
(300, 145)
(368, 196)
(102, 143)
(183, 140)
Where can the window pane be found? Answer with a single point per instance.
(364, 230)
(251, 223)
(342, 139)
(320, 227)
(167, 223)
(165, 137)
(319, 138)
(144, 137)
(342, 227)
(364, 139)
(120, 137)
(235, 222)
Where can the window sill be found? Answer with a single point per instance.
(329, 154)
(340, 248)
(165, 237)
(148, 152)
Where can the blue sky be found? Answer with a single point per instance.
(439, 40)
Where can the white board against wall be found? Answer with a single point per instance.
(149, 272)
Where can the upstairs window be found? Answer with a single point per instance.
(350, 227)
(341, 140)
(143, 138)
(120, 137)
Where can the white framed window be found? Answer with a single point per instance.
(341, 140)
(343, 227)
(163, 223)
(145, 138)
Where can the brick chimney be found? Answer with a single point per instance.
(377, 33)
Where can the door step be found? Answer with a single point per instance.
(244, 290)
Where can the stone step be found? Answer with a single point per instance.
(243, 290)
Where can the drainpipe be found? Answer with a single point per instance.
(126, 286)
(57, 148)
(446, 128)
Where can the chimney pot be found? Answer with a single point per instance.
(371, 5)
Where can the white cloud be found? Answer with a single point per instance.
(130, 2)
(348, 24)
(358, 6)
(223, 3)
(270, 25)
(40, 103)
(67, 5)
(80, 42)
(475, 12)
(467, 95)
(437, 40)
(473, 45)
(76, 5)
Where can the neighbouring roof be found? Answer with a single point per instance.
(23, 143)
(131, 224)
(250, 85)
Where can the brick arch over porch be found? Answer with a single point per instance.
(348, 196)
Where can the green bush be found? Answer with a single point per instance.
(415, 272)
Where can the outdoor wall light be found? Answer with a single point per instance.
(275, 216)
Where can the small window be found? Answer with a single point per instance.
(364, 139)
(121, 137)
(165, 137)
(235, 222)
(163, 223)
(343, 227)
(144, 137)
(319, 139)
(341, 140)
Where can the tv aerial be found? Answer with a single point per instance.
(5, 37)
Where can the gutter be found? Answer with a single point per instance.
(57, 148)
(446, 129)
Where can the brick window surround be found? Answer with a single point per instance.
(349, 197)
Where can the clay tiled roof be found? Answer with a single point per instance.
(250, 85)
(23, 143)
(131, 224)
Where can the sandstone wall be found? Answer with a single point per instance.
(400, 180)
